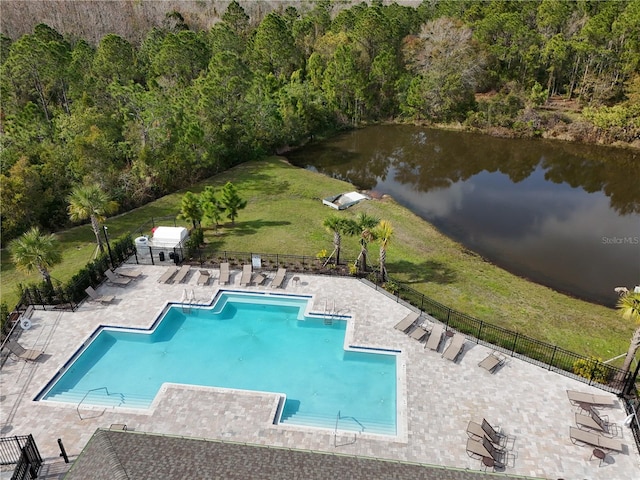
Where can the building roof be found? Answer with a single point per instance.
(115, 455)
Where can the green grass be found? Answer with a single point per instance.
(284, 215)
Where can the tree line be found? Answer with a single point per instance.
(143, 120)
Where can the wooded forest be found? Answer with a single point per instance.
(142, 120)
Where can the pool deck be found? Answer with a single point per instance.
(529, 403)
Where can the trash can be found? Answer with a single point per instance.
(161, 256)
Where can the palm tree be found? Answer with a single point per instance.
(629, 308)
(383, 232)
(364, 225)
(89, 201)
(35, 251)
(338, 226)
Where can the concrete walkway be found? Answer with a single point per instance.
(437, 398)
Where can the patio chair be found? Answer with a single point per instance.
(182, 274)
(128, 272)
(166, 276)
(419, 333)
(407, 322)
(476, 449)
(582, 437)
(474, 430)
(22, 353)
(113, 279)
(493, 361)
(245, 279)
(224, 273)
(497, 453)
(98, 298)
(595, 422)
(435, 337)
(454, 348)
(580, 398)
(279, 278)
(203, 277)
(258, 279)
(492, 434)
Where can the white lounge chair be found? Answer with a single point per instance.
(578, 398)
(98, 298)
(246, 275)
(128, 272)
(21, 352)
(203, 277)
(116, 280)
(406, 323)
(258, 278)
(454, 348)
(279, 278)
(182, 274)
(166, 276)
(492, 362)
(224, 273)
(582, 437)
(435, 337)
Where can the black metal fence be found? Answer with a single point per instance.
(551, 357)
(21, 451)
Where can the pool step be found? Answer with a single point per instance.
(101, 399)
(346, 423)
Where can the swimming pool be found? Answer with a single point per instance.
(267, 343)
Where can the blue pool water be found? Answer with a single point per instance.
(249, 342)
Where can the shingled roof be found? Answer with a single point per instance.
(119, 455)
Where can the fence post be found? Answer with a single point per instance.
(553, 356)
(515, 342)
(479, 331)
(448, 315)
(422, 303)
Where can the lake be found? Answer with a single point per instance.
(564, 215)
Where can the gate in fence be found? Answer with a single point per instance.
(23, 452)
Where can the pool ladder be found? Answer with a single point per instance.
(188, 299)
(328, 314)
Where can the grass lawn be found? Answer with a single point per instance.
(285, 214)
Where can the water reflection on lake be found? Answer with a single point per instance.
(554, 212)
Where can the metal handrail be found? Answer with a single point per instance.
(93, 390)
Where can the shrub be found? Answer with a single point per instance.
(591, 369)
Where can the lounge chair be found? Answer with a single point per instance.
(492, 434)
(476, 449)
(582, 437)
(419, 333)
(128, 272)
(203, 277)
(279, 278)
(21, 352)
(182, 274)
(580, 398)
(98, 298)
(493, 361)
(258, 279)
(475, 431)
(495, 452)
(595, 422)
(166, 276)
(435, 337)
(245, 279)
(116, 280)
(454, 348)
(224, 273)
(406, 323)
(483, 449)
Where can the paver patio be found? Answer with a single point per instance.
(437, 397)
